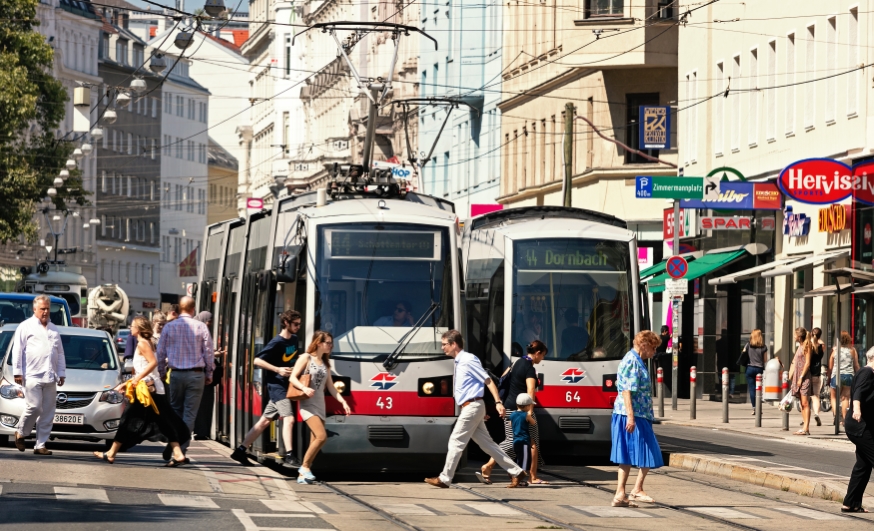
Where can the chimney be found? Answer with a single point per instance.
(125, 20)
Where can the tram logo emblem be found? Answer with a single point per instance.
(573, 376)
(383, 381)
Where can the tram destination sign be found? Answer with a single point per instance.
(648, 187)
(571, 254)
(383, 244)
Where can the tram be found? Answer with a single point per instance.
(569, 278)
(346, 261)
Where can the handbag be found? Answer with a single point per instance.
(294, 394)
(786, 403)
(504, 382)
(744, 358)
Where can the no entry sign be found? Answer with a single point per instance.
(677, 267)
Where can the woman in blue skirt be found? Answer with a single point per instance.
(634, 443)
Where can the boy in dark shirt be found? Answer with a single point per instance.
(520, 419)
(276, 359)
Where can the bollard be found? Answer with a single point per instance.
(785, 392)
(725, 395)
(758, 400)
(660, 376)
(693, 396)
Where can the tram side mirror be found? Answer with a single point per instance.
(287, 271)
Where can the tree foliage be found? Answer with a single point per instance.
(32, 105)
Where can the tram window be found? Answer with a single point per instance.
(374, 282)
(573, 295)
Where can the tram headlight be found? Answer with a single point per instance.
(428, 388)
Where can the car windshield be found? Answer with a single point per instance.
(80, 352)
(376, 282)
(16, 311)
(572, 294)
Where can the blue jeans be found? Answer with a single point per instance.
(752, 372)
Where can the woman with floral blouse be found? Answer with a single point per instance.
(634, 443)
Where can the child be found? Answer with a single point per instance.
(520, 419)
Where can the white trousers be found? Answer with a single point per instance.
(40, 399)
(471, 424)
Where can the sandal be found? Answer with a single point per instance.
(173, 463)
(801, 432)
(853, 510)
(103, 457)
(622, 503)
(641, 498)
(539, 481)
(484, 479)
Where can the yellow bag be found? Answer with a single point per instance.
(143, 396)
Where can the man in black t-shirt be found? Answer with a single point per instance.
(276, 360)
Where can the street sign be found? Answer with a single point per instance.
(677, 267)
(648, 187)
(676, 287)
(711, 188)
(254, 203)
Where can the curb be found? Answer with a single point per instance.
(762, 477)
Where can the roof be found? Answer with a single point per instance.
(219, 156)
(227, 44)
(77, 7)
(240, 36)
(121, 4)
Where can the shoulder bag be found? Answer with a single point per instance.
(504, 382)
(744, 358)
(294, 394)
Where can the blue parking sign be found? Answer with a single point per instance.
(643, 189)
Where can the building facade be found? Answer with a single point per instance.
(223, 170)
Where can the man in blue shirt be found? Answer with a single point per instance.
(470, 380)
(276, 360)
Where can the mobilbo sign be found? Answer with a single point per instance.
(826, 181)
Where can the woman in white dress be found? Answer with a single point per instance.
(139, 422)
(317, 363)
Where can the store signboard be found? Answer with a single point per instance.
(863, 235)
(795, 225)
(739, 195)
(655, 127)
(644, 257)
(834, 218)
(688, 227)
(827, 181)
(724, 223)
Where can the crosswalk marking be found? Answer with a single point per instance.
(290, 506)
(77, 494)
(808, 513)
(493, 509)
(725, 512)
(601, 511)
(409, 508)
(182, 500)
(249, 524)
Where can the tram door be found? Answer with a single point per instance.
(262, 332)
(224, 333)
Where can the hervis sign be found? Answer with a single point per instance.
(827, 181)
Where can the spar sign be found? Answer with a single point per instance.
(826, 181)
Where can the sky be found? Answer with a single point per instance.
(190, 5)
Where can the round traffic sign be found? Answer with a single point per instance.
(677, 267)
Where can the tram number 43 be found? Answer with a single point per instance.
(384, 403)
(572, 396)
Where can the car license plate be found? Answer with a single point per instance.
(69, 419)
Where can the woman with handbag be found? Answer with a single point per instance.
(860, 430)
(816, 372)
(149, 412)
(754, 356)
(848, 362)
(801, 385)
(309, 379)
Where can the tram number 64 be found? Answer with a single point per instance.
(575, 397)
(384, 403)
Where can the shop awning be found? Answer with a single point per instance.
(752, 272)
(826, 291)
(659, 268)
(815, 260)
(700, 267)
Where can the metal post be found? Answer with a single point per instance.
(568, 151)
(660, 376)
(785, 392)
(758, 400)
(725, 395)
(675, 351)
(693, 396)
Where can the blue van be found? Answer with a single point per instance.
(16, 307)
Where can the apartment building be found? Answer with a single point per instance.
(184, 177)
(466, 163)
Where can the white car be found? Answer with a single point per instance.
(88, 408)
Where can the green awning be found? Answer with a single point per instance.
(698, 268)
(654, 270)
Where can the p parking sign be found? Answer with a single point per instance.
(655, 127)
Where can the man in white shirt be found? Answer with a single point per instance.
(470, 383)
(38, 365)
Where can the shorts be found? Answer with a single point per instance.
(846, 381)
(282, 408)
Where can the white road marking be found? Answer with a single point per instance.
(249, 524)
(77, 494)
(610, 512)
(808, 513)
(409, 508)
(290, 506)
(493, 509)
(181, 500)
(725, 512)
(285, 488)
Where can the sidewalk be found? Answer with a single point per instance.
(768, 466)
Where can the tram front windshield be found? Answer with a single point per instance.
(375, 282)
(573, 295)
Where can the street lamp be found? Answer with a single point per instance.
(109, 118)
(157, 64)
(51, 192)
(64, 174)
(96, 134)
(214, 8)
(71, 164)
(137, 84)
(122, 99)
(58, 182)
(94, 221)
(183, 40)
(78, 154)
(87, 148)
(86, 225)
